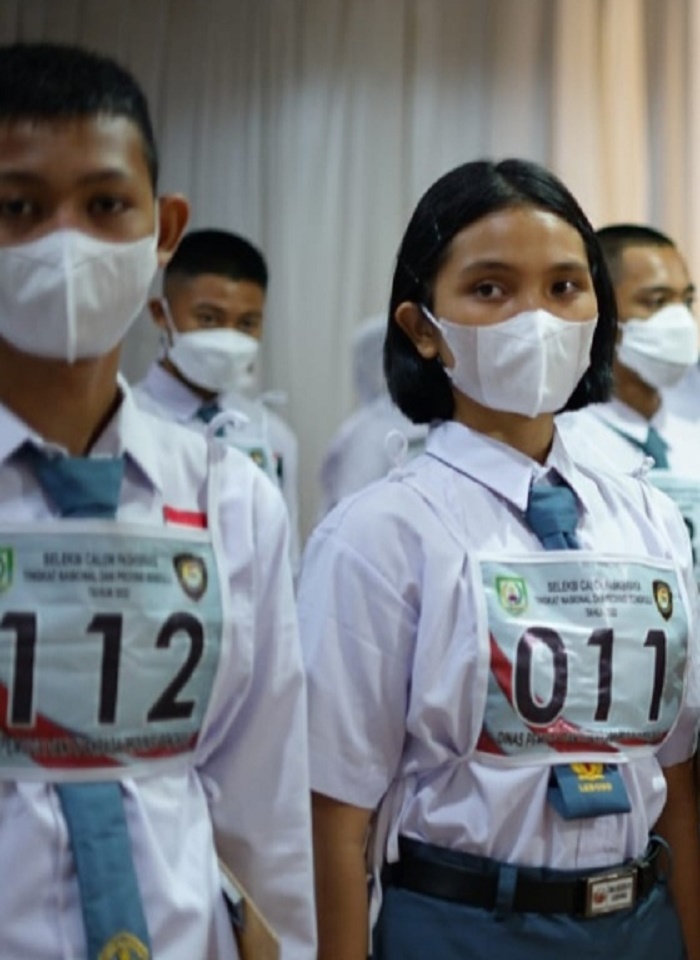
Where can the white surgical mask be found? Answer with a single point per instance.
(661, 349)
(216, 360)
(69, 296)
(528, 364)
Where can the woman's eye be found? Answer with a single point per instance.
(488, 290)
(564, 287)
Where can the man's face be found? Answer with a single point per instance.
(88, 174)
(650, 278)
(210, 302)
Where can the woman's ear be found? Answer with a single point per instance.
(423, 334)
(174, 213)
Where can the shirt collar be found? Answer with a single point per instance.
(504, 470)
(182, 403)
(126, 434)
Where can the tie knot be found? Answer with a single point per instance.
(552, 514)
(208, 411)
(79, 486)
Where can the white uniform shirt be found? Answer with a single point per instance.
(359, 453)
(248, 783)
(164, 395)
(389, 630)
(595, 434)
(683, 400)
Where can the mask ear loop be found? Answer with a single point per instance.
(169, 335)
(227, 418)
(396, 447)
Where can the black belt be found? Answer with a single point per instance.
(602, 892)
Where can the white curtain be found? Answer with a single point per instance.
(313, 126)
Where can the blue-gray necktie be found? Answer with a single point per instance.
(208, 411)
(552, 515)
(113, 914)
(653, 446)
(656, 447)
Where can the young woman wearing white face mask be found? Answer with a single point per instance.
(657, 345)
(480, 699)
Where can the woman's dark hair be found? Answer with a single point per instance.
(420, 387)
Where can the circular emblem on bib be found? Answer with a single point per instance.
(663, 597)
(192, 574)
(125, 946)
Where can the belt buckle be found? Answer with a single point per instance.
(610, 892)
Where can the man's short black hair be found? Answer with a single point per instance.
(420, 387)
(46, 81)
(618, 237)
(219, 252)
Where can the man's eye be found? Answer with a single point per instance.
(17, 208)
(108, 205)
(207, 319)
(248, 325)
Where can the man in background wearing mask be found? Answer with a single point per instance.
(657, 346)
(211, 317)
(152, 708)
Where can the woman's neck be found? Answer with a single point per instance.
(531, 436)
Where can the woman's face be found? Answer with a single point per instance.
(514, 260)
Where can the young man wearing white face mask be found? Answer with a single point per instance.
(211, 316)
(153, 719)
(657, 346)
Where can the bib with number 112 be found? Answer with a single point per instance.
(109, 642)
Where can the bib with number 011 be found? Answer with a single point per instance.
(109, 644)
(587, 658)
(685, 493)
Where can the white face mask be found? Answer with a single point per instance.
(69, 296)
(215, 360)
(661, 349)
(528, 364)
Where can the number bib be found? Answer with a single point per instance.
(685, 493)
(109, 644)
(586, 658)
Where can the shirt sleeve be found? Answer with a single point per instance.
(358, 635)
(256, 772)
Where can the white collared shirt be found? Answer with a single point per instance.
(388, 619)
(683, 399)
(598, 434)
(164, 395)
(360, 452)
(247, 786)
